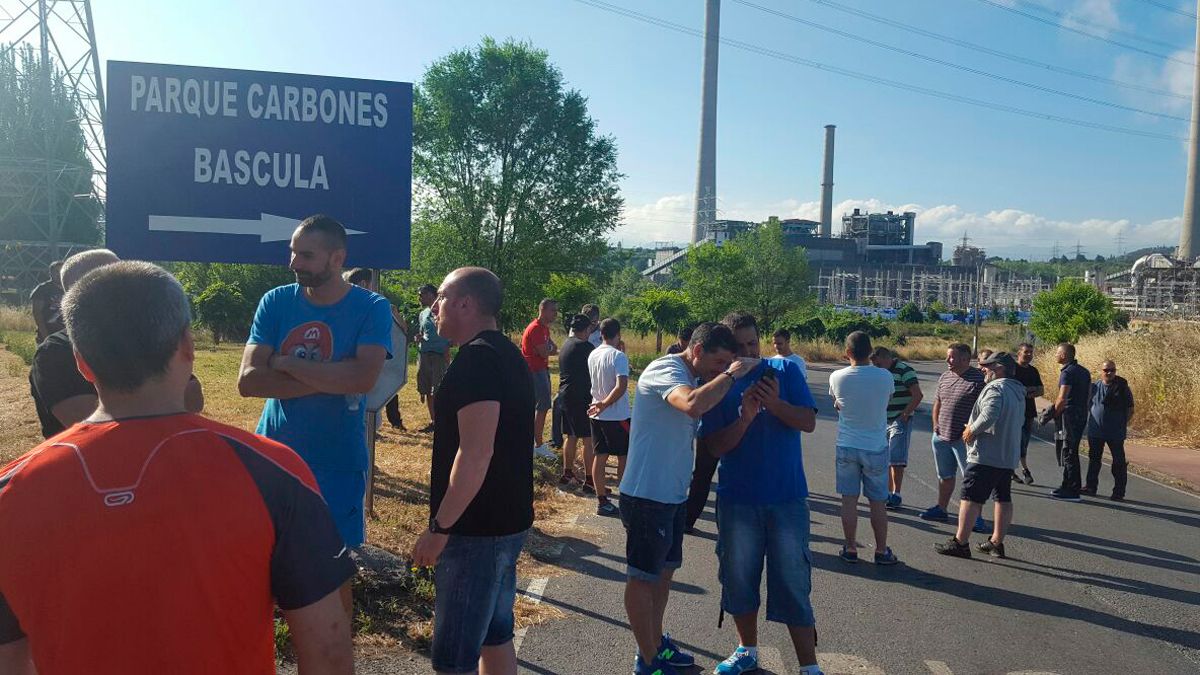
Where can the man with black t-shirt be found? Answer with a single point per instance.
(45, 300)
(1029, 376)
(477, 526)
(575, 388)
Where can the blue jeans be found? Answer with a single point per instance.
(476, 584)
(899, 433)
(748, 533)
(856, 467)
(950, 457)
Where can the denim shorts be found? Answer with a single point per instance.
(870, 469)
(748, 533)
(950, 457)
(343, 492)
(476, 584)
(899, 433)
(653, 536)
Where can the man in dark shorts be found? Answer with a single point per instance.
(1029, 376)
(478, 521)
(575, 388)
(44, 302)
(154, 540)
(1070, 414)
(61, 394)
(993, 438)
(608, 367)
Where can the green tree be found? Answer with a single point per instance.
(616, 295)
(509, 171)
(757, 272)
(572, 291)
(659, 310)
(222, 309)
(33, 127)
(910, 313)
(1070, 310)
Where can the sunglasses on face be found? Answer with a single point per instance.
(1108, 370)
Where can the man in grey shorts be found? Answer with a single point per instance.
(432, 352)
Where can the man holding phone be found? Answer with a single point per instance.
(762, 508)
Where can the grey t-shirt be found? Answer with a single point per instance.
(661, 455)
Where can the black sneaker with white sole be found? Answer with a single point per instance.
(953, 548)
(992, 548)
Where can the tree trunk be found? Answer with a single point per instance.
(658, 341)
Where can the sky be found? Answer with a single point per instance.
(1019, 186)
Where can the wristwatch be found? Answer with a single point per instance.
(435, 528)
(730, 374)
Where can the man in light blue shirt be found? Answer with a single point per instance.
(315, 348)
(432, 352)
(654, 490)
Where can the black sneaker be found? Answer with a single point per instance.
(1089, 491)
(953, 548)
(1028, 477)
(1065, 495)
(991, 548)
(1117, 498)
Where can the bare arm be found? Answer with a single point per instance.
(1034, 392)
(699, 400)
(193, 396)
(321, 636)
(794, 416)
(75, 409)
(258, 380)
(1060, 404)
(621, 389)
(355, 375)
(914, 390)
(937, 408)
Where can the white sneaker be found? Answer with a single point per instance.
(544, 450)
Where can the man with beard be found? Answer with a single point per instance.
(315, 348)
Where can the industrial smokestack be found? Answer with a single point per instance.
(827, 184)
(1189, 237)
(706, 174)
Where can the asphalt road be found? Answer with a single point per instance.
(1094, 587)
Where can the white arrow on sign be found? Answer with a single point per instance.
(268, 227)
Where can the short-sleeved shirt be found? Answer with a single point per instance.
(1108, 416)
(661, 453)
(54, 378)
(799, 361)
(1030, 377)
(903, 378)
(327, 430)
(957, 394)
(605, 364)
(488, 368)
(535, 336)
(430, 340)
(574, 379)
(160, 545)
(596, 338)
(767, 466)
(1079, 380)
(46, 299)
(862, 393)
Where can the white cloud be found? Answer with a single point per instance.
(1093, 15)
(1172, 76)
(1006, 232)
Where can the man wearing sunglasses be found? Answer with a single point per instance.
(1111, 406)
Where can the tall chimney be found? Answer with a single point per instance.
(706, 174)
(1189, 237)
(827, 184)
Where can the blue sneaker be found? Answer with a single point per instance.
(669, 652)
(894, 501)
(935, 512)
(657, 667)
(981, 526)
(740, 661)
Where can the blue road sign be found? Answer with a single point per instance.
(218, 165)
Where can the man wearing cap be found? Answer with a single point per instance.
(575, 388)
(993, 438)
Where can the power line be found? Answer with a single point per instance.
(1068, 17)
(1079, 31)
(996, 52)
(957, 66)
(763, 51)
(1174, 10)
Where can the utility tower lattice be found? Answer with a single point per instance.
(62, 34)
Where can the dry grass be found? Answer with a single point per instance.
(1158, 362)
(16, 318)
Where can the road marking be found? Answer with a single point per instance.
(938, 668)
(534, 592)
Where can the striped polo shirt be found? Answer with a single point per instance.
(957, 394)
(903, 377)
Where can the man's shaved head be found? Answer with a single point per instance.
(78, 265)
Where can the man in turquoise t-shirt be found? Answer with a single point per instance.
(432, 352)
(762, 500)
(315, 348)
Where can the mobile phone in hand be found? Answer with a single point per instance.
(769, 373)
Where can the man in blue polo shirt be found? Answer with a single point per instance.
(315, 348)
(762, 508)
(1070, 414)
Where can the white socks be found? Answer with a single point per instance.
(752, 651)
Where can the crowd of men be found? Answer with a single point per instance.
(193, 531)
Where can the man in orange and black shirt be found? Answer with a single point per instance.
(148, 540)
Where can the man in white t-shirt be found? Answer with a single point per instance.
(609, 412)
(861, 393)
(783, 348)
